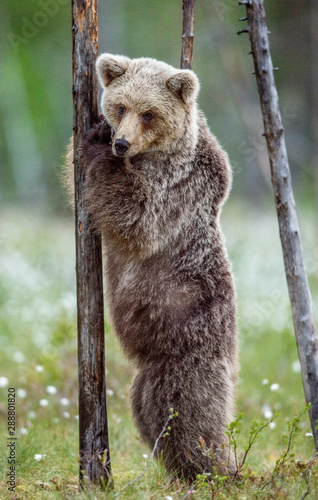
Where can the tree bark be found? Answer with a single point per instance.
(187, 33)
(93, 433)
(313, 94)
(299, 293)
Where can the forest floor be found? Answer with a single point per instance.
(38, 360)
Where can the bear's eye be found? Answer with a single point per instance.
(121, 110)
(148, 116)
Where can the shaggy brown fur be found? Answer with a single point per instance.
(169, 282)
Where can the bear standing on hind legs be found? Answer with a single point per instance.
(156, 181)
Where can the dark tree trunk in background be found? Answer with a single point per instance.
(299, 293)
(93, 433)
(187, 33)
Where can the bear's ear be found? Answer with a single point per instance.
(185, 85)
(109, 67)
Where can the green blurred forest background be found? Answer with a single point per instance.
(37, 275)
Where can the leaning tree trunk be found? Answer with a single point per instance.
(93, 434)
(313, 94)
(299, 293)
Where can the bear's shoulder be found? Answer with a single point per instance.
(212, 163)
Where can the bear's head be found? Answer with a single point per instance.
(150, 105)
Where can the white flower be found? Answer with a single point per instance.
(265, 381)
(110, 392)
(66, 414)
(18, 357)
(145, 455)
(309, 434)
(39, 369)
(44, 402)
(32, 414)
(51, 389)
(3, 381)
(267, 412)
(76, 417)
(23, 430)
(21, 393)
(39, 457)
(272, 425)
(274, 387)
(169, 497)
(64, 402)
(296, 366)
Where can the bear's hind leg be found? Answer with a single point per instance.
(196, 442)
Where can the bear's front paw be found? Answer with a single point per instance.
(100, 133)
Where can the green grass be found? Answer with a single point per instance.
(38, 351)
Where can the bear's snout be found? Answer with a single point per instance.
(121, 146)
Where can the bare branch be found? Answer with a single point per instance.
(299, 293)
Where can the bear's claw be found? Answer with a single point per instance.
(100, 133)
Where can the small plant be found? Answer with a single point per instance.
(233, 431)
(283, 463)
(218, 482)
(164, 433)
(285, 469)
(289, 441)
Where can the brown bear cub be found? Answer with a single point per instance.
(156, 181)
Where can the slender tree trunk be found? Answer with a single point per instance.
(313, 33)
(299, 293)
(187, 33)
(93, 433)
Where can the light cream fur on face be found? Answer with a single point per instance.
(147, 103)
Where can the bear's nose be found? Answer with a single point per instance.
(121, 146)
